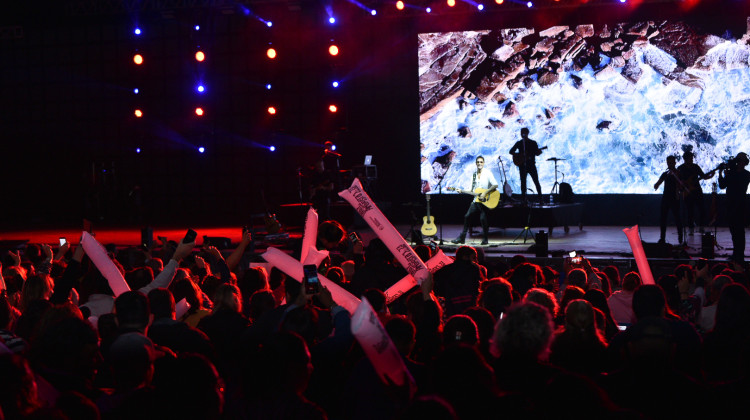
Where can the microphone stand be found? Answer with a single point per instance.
(440, 192)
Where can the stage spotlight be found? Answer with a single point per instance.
(138, 59)
(428, 10)
(138, 113)
(623, 1)
(268, 86)
(272, 148)
(333, 147)
(373, 12)
(271, 53)
(201, 149)
(138, 150)
(451, 3)
(480, 7)
(271, 110)
(400, 5)
(331, 20)
(135, 91)
(332, 108)
(199, 111)
(335, 84)
(200, 56)
(269, 23)
(137, 31)
(529, 4)
(200, 89)
(197, 27)
(499, 1)
(333, 50)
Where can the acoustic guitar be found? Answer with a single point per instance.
(428, 222)
(490, 201)
(519, 158)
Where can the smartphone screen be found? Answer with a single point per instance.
(354, 237)
(311, 281)
(572, 254)
(62, 240)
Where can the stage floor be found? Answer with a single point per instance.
(592, 241)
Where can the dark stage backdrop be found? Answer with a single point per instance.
(69, 134)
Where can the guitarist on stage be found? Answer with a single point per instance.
(485, 180)
(524, 154)
(691, 175)
(670, 199)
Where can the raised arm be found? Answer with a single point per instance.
(236, 256)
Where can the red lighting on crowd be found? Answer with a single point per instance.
(271, 53)
(333, 50)
(138, 59)
(138, 113)
(333, 108)
(271, 110)
(200, 56)
(199, 111)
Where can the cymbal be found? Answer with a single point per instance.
(554, 159)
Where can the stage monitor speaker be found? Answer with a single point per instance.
(541, 246)
(657, 250)
(566, 193)
(707, 245)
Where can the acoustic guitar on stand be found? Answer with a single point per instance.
(428, 222)
(490, 201)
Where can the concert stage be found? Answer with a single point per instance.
(601, 244)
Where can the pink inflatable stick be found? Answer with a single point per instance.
(379, 224)
(640, 256)
(101, 260)
(378, 346)
(435, 263)
(293, 269)
(311, 234)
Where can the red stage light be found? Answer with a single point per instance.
(138, 113)
(138, 59)
(200, 56)
(333, 50)
(199, 111)
(400, 5)
(271, 53)
(332, 108)
(271, 110)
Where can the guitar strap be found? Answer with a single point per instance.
(474, 181)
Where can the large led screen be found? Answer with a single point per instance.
(611, 102)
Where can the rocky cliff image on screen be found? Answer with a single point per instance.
(612, 100)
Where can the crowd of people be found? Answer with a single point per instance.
(479, 338)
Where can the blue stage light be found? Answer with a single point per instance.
(269, 23)
(201, 88)
(373, 12)
(272, 148)
(201, 149)
(480, 6)
(335, 84)
(331, 20)
(138, 150)
(529, 4)
(428, 10)
(137, 31)
(268, 86)
(135, 91)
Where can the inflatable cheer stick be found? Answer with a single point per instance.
(101, 260)
(379, 224)
(435, 263)
(311, 234)
(293, 269)
(640, 256)
(378, 346)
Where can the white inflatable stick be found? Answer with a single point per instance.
(378, 346)
(101, 260)
(293, 269)
(311, 234)
(435, 263)
(379, 224)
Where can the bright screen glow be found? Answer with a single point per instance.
(611, 101)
